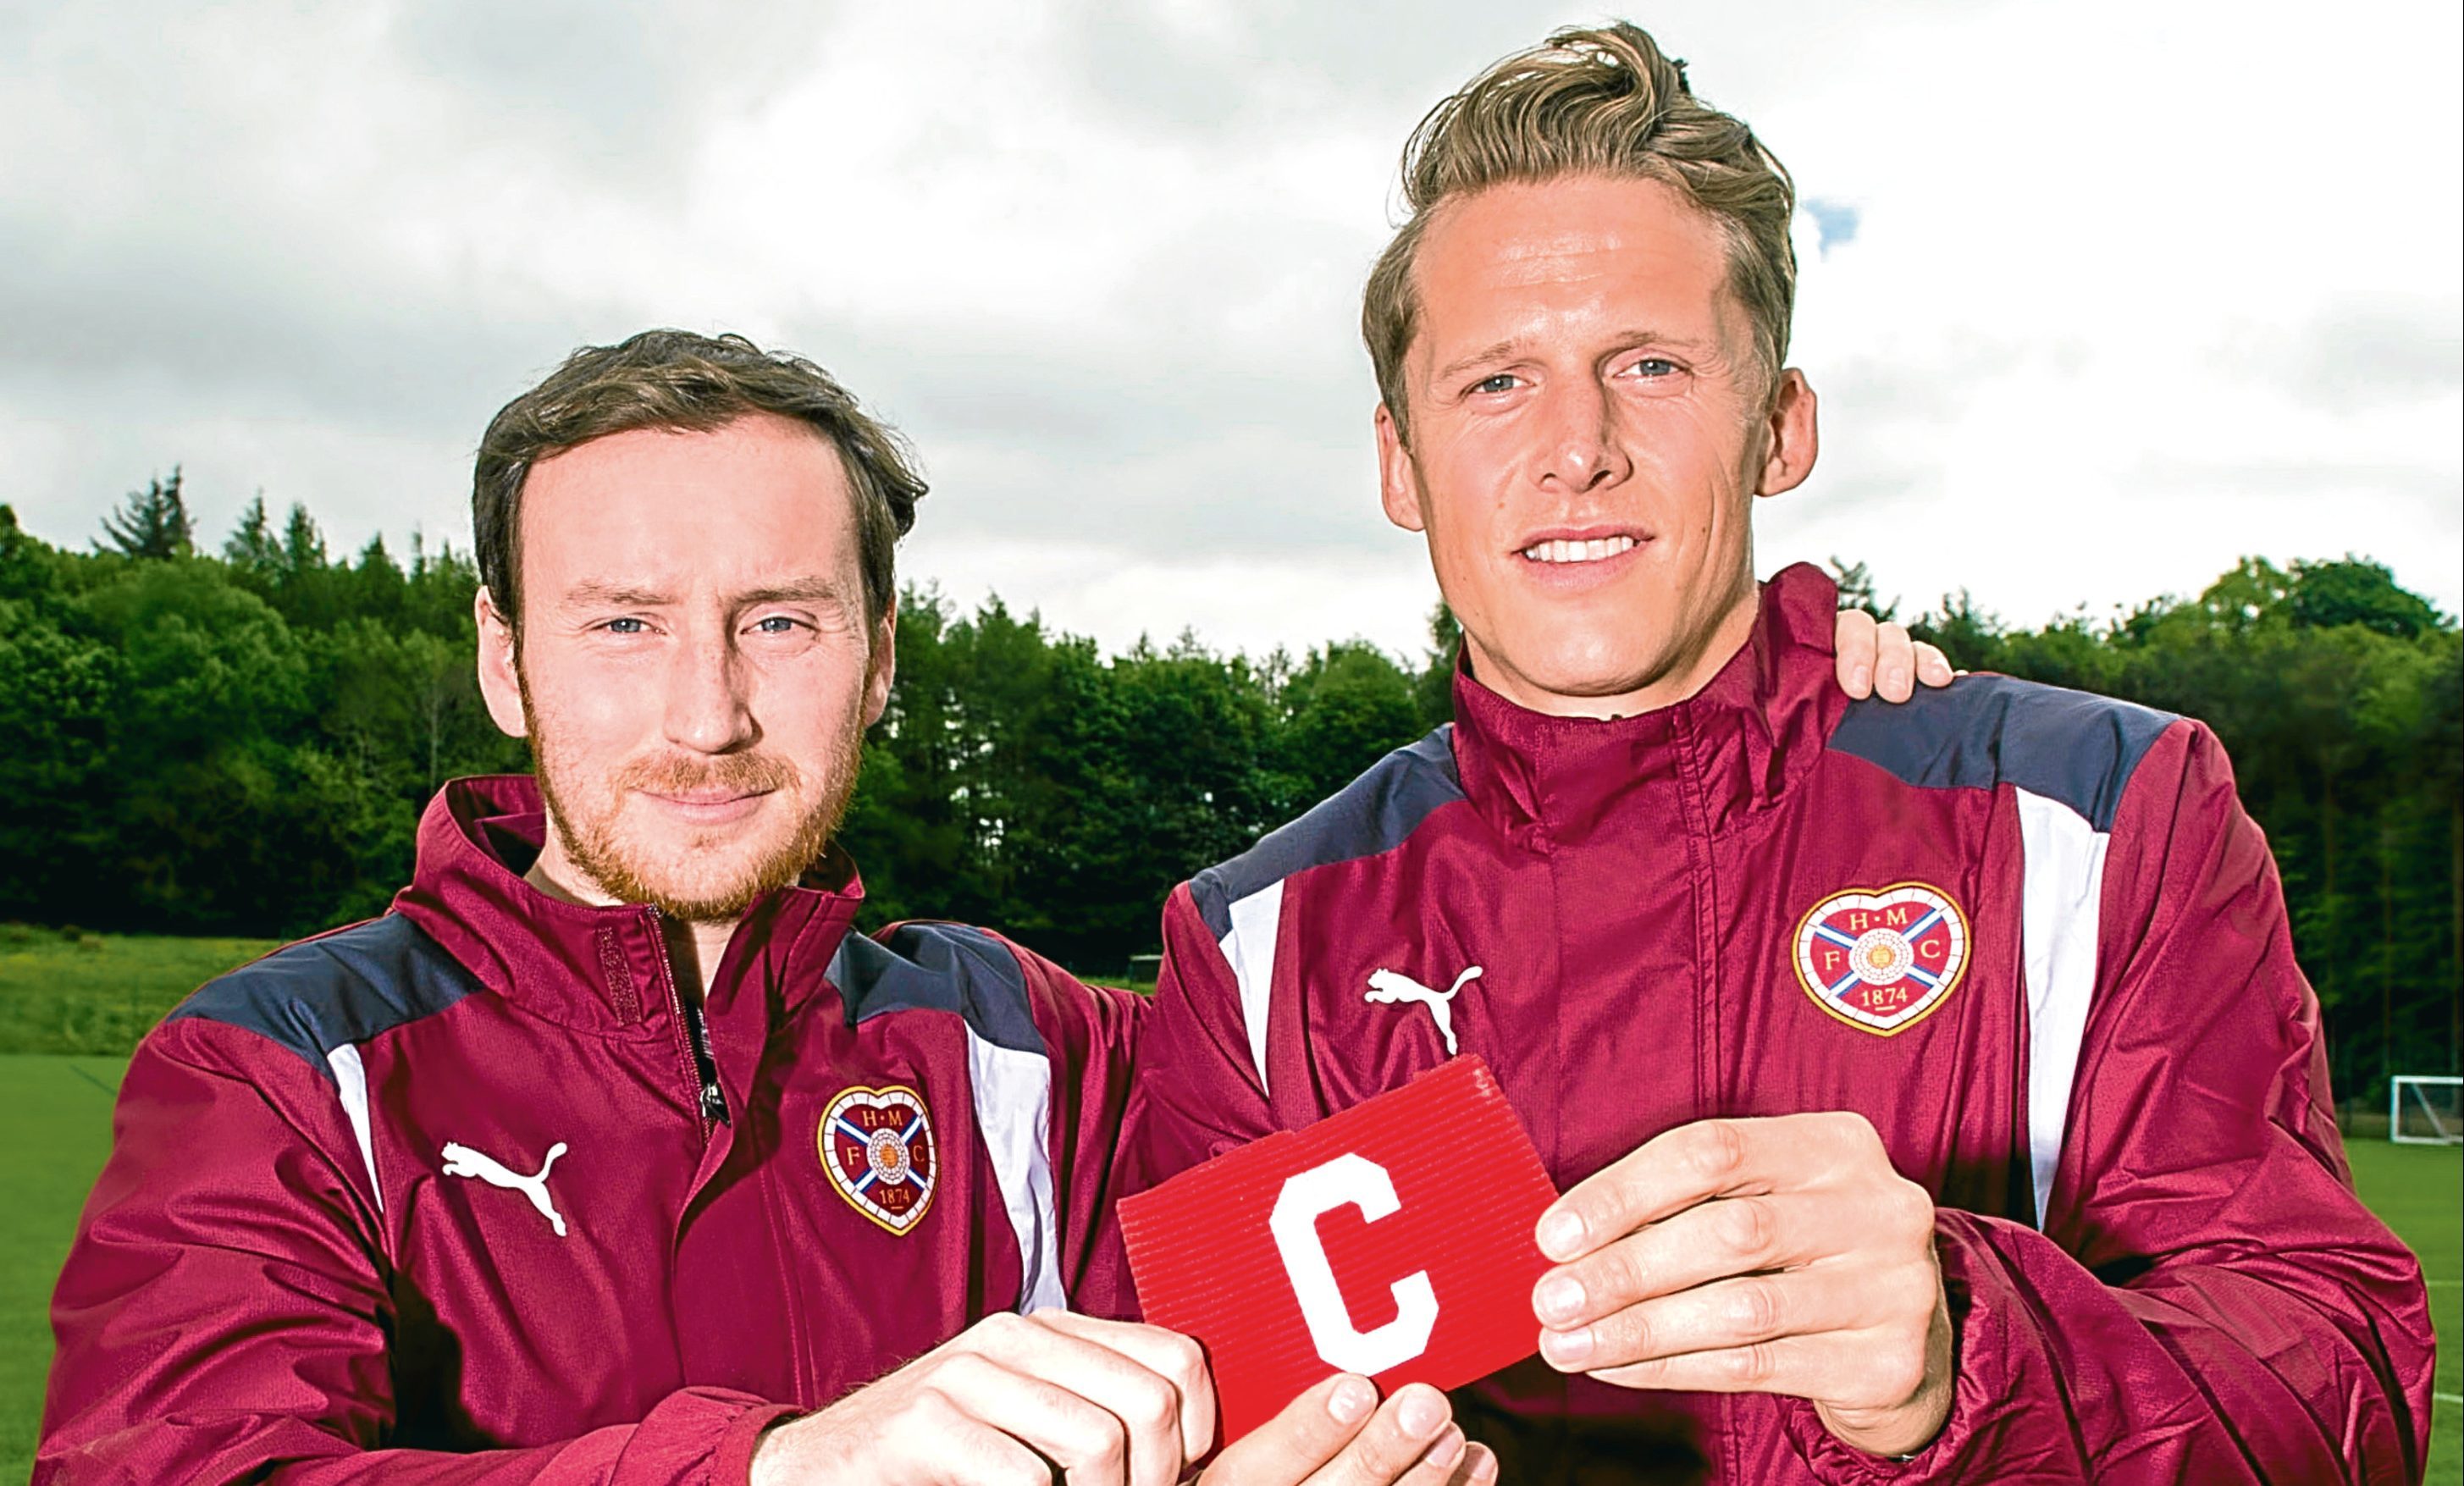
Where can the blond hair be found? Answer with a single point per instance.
(1590, 102)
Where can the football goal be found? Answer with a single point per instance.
(2421, 1109)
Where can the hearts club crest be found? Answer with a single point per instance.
(877, 1145)
(1883, 959)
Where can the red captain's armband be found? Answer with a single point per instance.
(1393, 1239)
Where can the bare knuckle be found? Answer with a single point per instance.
(1108, 1440)
(1913, 1290)
(1853, 1130)
(1187, 1359)
(1082, 1437)
(1380, 1453)
(1756, 1309)
(1630, 1333)
(1751, 1366)
(1754, 1226)
(1002, 1325)
(933, 1405)
(1154, 1404)
(965, 1369)
(1718, 1151)
(1898, 1373)
(1617, 1272)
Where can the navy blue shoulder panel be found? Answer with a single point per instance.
(345, 986)
(1372, 814)
(1983, 730)
(938, 967)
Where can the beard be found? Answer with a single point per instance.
(704, 876)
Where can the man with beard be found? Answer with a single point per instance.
(609, 1152)
(1933, 1090)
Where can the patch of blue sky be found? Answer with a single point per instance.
(1835, 220)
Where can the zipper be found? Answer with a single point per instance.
(712, 1099)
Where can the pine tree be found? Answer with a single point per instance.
(251, 546)
(303, 546)
(152, 522)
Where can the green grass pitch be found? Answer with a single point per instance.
(97, 994)
(56, 1129)
(54, 1132)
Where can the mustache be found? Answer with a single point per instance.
(746, 773)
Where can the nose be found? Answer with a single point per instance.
(708, 708)
(1582, 450)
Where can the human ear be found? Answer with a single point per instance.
(500, 682)
(881, 668)
(1793, 438)
(1398, 491)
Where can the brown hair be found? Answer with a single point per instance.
(1603, 102)
(679, 381)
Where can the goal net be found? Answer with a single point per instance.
(2421, 1109)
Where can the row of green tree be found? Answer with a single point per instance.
(241, 741)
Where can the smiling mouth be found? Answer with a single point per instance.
(1597, 549)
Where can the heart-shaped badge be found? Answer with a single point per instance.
(877, 1146)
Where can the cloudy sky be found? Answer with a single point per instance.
(2097, 295)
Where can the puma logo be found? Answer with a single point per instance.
(462, 1161)
(1388, 987)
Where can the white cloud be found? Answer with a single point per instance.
(2133, 289)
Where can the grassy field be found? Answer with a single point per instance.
(2419, 1190)
(69, 992)
(56, 1129)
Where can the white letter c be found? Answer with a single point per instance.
(1355, 1181)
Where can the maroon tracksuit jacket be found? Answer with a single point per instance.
(2029, 934)
(323, 1249)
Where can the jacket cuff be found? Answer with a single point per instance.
(731, 1461)
(1983, 1316)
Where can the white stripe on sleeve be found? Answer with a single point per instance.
(1251, 948)
(351, 1078)
(1013, 1094)
(2064, 883)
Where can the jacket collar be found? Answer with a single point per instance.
(1700, 765)
(593, 966)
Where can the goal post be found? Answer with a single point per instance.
(2423, 1109)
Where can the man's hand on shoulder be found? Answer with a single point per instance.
(1014, 1399)
(1874, 658)
(1778, 1256)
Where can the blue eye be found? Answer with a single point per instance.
(624, 626)
(1502, 381)
(775, 624)
(1655, 366)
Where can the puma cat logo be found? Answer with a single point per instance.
(1388, 987)
(462, 1161)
